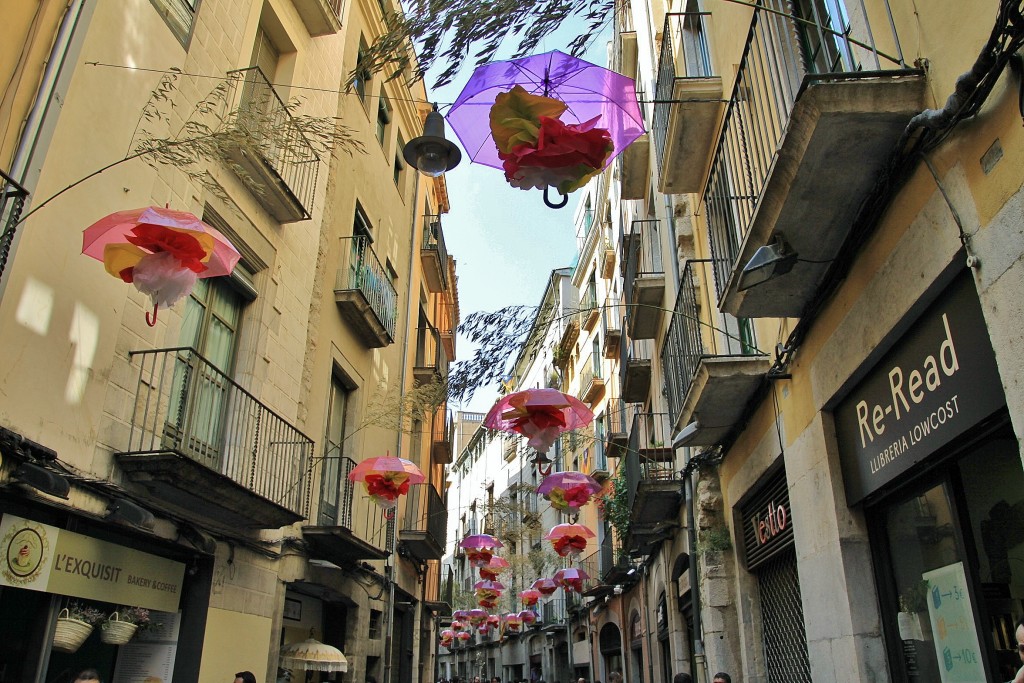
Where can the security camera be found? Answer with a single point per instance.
(687, 433)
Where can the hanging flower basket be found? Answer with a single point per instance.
(70, 633)
(116, 631)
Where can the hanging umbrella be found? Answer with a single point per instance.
(160, 251)
(495, 566)
(569, 539)
(480, 548)
(538, 414)
(458, 625)
(568, 491)
(548, 120)
(513, 621)
(478, 616)
(312, 655)
(528, 617)
(386, 478)
(530, 596)
(460, 615)
(546, 587)
(571, 579)
(463, 636)
(489, 585)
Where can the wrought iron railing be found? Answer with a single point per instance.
(611, 316)
(633, 351)
(338, 496)
(643, 257)
(442, 427)
(267, 125)
(553, 610)
(425, 511)
(588, 303)
(591, 564)
(780, 50)
(649, 454)
(612, 556)
(185, 404)
(616, 412)
(361, 270)
(590, 371)
(684, 54)
(429, 351)
(699, 330)
(12, 203)
(433, 238)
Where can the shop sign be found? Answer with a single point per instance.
(954, 632)
(767, 523)
(938, 381)
(44, 558)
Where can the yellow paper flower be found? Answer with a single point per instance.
(515, 117)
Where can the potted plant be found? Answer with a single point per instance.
(121, 625)
(912, 619)
(74, 624)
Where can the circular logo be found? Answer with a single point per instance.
(24, 552)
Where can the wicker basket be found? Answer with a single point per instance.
(70, 633)
(117, 632)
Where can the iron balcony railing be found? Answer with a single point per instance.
(684, 54)
(619, 415)
(633, 351)
(699, 330)
(429, 351)
(781, 49)
(588, 303)
(611, 316)
(337, 498)
(425, 511)
(553, 611)
(642, 245)
(12, 203)
(649, 454)
(612, 556)
(361, 270)
(267, 124)
(185, 404)
(441, 427)
(590, 371)
(591, 564)
(433, 238)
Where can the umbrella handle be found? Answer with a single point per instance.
(565, 199)
(545, 472)
(152, 321)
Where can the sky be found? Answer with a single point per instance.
(505, 241)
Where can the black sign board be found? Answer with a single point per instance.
(937, 381)
(767, 522)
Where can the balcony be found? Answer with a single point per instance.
(711, 361)
(802, 168)
(611, 326)
(205, 449)
(593, 587)
(431, 363)
(12, 203)
(620, 418)
(608, 252)
(688, 103)
(644, 281)
(442, 428)
(598, 460)
(365, 296)
(552, 612)
(267, 148)
(567, 342)
(434, 255)
(635, 370)
(653, 482)
(614, 561)
(424, 522)
(589, 312)
(339, 537)
(591, 380)
(321, 17)
(635, 172)
(446, 317)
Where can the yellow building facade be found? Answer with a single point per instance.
(213, 448)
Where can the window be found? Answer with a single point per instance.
(375, 622)
(399, 162)
(383, 120)
(362, 74)
(179, 15)
(333, 510)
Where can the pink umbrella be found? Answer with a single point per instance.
(568, 491)
(569, 539)
(528, 616)
(463, 636)
(538, 414)
(513, 621)
(458, 625)
(571, 579)
(489, 585)
(495, 566)
(478, 616)
(460, 615)
(386, 478)
(530, 596)
(161, 251)
(493, 620)
(480, 548)
(546, 586)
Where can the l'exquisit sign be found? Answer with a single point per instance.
(935, 383)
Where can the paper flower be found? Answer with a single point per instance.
(528, 617)
(569, 545)
(385, 488)
(529, 596)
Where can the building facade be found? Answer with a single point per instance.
(198, 467)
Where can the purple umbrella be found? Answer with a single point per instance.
(588, 91)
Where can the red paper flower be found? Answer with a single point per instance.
(479, 557)
(573, 585)
(388, 488)
(157, 238)
(569, 545)
(487, 575)
(573, 151)
(577, 496)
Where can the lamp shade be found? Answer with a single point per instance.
(312, 655)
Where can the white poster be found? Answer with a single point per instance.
(149, 657)
(955, 634)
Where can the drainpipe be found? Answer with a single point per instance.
(389, 613)
(700, 675)
(647, 623)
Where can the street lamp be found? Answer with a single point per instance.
(431, 154)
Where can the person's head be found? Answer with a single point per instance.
(495, 680)
(682, 678)
(88, 675)
(245, 677)
(615, 677)
(721, 677)
(1020, 639)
